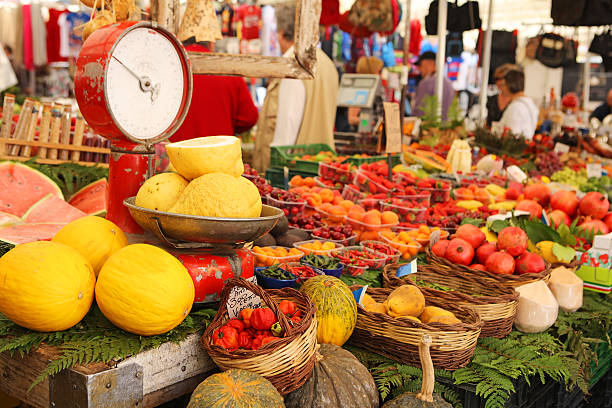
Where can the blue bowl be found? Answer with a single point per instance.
(271, 283)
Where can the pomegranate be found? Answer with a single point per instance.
(517, 186)
(483, 252)
(512, 193)
(529, 263)
(513, 240)
(532, 207)
(598, 226)
(501, 263)
(538, 192)
(558, 217)
(478, 267)
(565, 201)
(595, 205)
(471, 234)
(439, 248)
(459, 252)
(608, 221)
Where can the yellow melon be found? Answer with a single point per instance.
(220, 195)
(144, 290)
(161, 191)
(213, 154)
(94, 237)
(45, 286)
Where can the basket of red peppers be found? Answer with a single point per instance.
(276, 340)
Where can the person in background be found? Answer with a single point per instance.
(220, 105)
(498, 103)
(521, 115)
(365, 65)
(296, 111)
(604, 109)
(427, 86)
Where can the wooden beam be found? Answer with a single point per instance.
(307, 15)
(252, 66)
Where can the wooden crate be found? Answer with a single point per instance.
(147, 379)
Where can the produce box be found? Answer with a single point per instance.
(286, 156)
(276, 177)
(596, 266)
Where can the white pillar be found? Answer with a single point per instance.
(486, 65)
(440, 57)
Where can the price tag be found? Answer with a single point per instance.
(393, 129)
(240, 298)
(561, 148)
(593, 170)
(407, 269)
(516, 174)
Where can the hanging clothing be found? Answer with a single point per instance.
(250, 17)
(28, 51)
(39, 36)
(226, 14)
(70, 43)
(9, 27)
(269, 42)
(7, 75)
(53, 36)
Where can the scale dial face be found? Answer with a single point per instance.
(145, 83)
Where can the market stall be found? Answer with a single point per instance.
(464, 267)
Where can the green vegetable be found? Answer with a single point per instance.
(277, 272)
(321, 261)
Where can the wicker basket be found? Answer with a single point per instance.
(513, 281)
(287, 362)
(494, 303)
(452, 345)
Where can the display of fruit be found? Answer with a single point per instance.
(597, 227)
(484, 251)
(219, 195)
(403, 241)
(233, 387)
(322, 262)
(547, 163)
(594, 205)
(317, 247)
(558, 217)
(338, 380)
(529, 263)
(337, 233)
(565, 201)
(501, 263)
(336, 309)
(472, 192)
(307, 223)
(291, 203)
(268, 256)
(94, 237)
(45, 286)
(161, 191)
(459, 252)
(408, 210)
(471, 234)
(512, 240)
(391, 253)
(336, 172)
(460, 156)
(439, 190)
(531, 206)
(194, 158)
(144, 290)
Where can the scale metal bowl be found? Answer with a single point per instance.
(191, 231)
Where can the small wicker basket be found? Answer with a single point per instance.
(495, 304)
(512, 281)
(287, 362)
(399, 338)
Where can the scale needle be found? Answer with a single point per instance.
(145, 81)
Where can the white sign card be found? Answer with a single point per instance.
(561, 148)
(241, 298)
(593, 170)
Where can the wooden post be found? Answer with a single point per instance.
(56, 124)
(167, 13)
(31, 130)
(65, 134)
(79, 128)
(45, 126)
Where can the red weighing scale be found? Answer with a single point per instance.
(133, 84)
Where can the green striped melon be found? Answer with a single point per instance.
(336, 308)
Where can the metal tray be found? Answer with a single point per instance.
(191, 231)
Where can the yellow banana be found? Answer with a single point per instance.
(495, 190)
(470, 205)
(504, 205)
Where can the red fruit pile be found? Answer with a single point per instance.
(469, 247)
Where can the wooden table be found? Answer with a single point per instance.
(145, 380)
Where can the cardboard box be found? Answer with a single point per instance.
(596, 265)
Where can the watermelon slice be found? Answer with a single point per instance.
(20, 234)
(7, 219)
(52, 209)
(22, 186)
(91, 199)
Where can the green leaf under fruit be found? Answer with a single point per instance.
(498, 225)
(567, 238)
(563, 253)
(538, 232)
(474, 221)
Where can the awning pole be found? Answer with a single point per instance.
(586, 80)
(486, 65)
(405, 60)
(441, 56)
